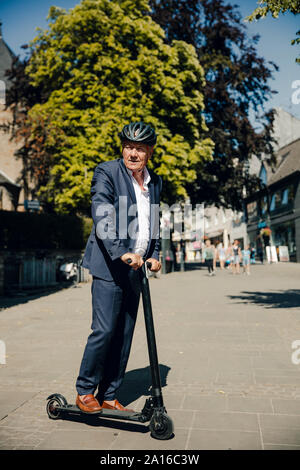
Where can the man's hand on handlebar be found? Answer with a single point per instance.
(136, 260)
(155, 265)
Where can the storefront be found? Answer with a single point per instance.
(284, 234)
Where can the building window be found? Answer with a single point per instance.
(264, 205)
(275, 201)
(283, 198)
(251, 210)
(288, 195)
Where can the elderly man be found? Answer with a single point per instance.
(125, 211)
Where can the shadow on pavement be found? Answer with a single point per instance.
(136, 383)
(280, 299)
(21, 297)
(97, 421)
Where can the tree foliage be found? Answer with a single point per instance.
(97, 67)
(275, 7)
(234, 96)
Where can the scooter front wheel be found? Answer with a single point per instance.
(161, 426)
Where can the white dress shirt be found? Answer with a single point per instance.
(143, 211)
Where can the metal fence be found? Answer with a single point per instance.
(29, 270)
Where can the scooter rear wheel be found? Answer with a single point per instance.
(161, 426)
(51, 408)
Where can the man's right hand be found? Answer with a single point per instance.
(136, 260)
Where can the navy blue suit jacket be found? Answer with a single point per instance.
(112, 198)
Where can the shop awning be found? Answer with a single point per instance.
(7, 181)
(214, 234)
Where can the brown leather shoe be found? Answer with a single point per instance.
(115, 406)
(88, 403)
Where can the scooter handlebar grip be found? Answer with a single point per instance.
(148, 264)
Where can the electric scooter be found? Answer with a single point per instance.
(161, 425)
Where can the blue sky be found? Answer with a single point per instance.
(20, 18)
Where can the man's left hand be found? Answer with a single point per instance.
(155, 265)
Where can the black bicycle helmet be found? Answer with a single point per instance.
(138, 132)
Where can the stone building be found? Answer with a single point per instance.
(225, 225)
(277, 206)
(11, 192)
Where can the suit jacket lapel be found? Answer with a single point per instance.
(153, 221)
(128, 181)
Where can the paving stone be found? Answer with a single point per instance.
(196, 402)
(235, 377)
(173, 400)
(145, 441)
(291, 407)
(90, 439)
(181, 418)
(224, 440)
(283, 379)
(278, 436)
(277, 421)
(250, 405)
(12, 399)
(225, 421)
(288, 372)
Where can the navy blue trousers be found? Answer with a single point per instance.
(107, 350)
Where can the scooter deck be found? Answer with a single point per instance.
(104, 413)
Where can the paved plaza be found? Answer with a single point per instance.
(230, 376)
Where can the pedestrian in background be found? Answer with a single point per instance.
(260, 253)
(208, 256)
(246, 253)
(236, 257)
(221, 255)
(229, 257)
(252, 254)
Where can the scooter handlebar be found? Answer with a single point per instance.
(148, 263)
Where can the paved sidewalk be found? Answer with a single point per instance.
(225, 352)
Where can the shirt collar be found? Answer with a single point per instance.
(147, 176)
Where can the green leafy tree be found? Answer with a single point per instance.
(98, 66)
(236, 87)
(275, 7)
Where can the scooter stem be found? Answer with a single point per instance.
(152, 350)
